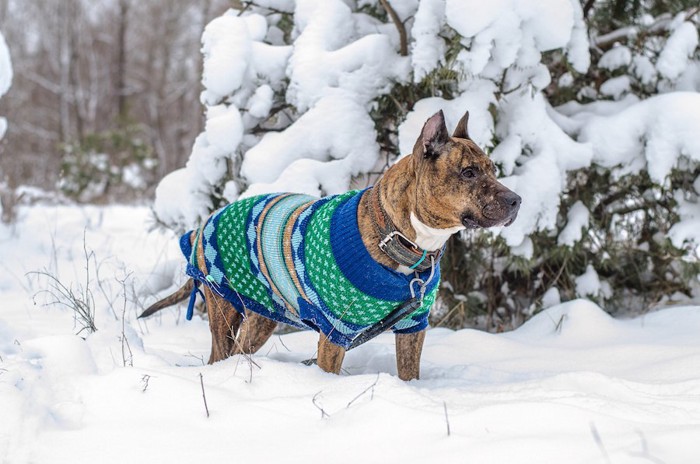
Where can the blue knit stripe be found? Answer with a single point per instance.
(298, 251)
(358, 266)
(210, 250)
(336, 331)
(215, 264)
(185, 244)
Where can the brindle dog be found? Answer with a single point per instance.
(446, 185)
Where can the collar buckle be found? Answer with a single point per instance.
(391, 236)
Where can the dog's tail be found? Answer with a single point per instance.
(170, 300)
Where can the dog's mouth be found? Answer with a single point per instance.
(470, 222)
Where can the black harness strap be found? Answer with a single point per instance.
(396, 314)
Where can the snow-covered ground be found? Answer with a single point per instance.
(572, 385)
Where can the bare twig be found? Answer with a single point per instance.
(645, 450)
(599, 442)
(403, 41)
(200, 358)
(282, 342)
(144, 380)
(204, 395)
(320, 408)
(447, 418)
(560, 324)
(371, 387)
(449, 313)
(124, 340)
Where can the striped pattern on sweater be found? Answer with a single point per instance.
(301, 260)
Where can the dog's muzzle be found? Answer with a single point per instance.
(500, 212)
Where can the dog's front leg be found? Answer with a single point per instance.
(408, 351)
(330, 356)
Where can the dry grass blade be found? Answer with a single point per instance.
(80, 301)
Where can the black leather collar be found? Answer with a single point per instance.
(395, 244)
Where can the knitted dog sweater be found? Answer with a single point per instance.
(301, 260)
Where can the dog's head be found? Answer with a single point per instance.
(456, 181)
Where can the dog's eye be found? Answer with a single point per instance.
(469, 173)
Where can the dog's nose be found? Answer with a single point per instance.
(510, 200)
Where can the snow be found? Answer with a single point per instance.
(680, 46)
(475, 99)
(588, 283)
(176, 204)
(688, 228)
(260, 103)
(570, 385)
(655, 132)
(616, 87)
(328, 55)
(509, 31)
(551, 297)
(576, 221)
(577, 50)
(297, 159)
(227, 49)
(657, 135)
(643, 69)
(616, 57)
(428, 49)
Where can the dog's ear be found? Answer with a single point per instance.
(433, 136)
(462, 131)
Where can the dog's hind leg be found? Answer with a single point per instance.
(224, 322)
(408, 351)
(255, 331)
(330, 356)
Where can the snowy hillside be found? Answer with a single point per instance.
(571, 385)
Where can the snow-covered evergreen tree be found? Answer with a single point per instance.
(318, 97)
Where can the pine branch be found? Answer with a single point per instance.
(658, 28)
(403, 40)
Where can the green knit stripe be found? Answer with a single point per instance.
(231, 241)
(342, 298)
